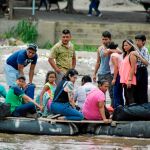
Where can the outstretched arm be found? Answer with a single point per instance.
(97, 65)
(45, 88)
(31, 73)
(102, 112)
(143, 60)
(28, 99)
(108, 52)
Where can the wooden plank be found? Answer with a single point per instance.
(71, 121)
(53, 116)
(20, 118)
(53, 120)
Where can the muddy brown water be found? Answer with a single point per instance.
(85, 142)
(85, 65)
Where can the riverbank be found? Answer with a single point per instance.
(123, 18)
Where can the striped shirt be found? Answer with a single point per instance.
(144, 52)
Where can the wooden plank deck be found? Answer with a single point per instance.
(50, 120)
(71, 121)
(54, 120)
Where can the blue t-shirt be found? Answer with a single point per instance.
(17, 90)
(20, 57)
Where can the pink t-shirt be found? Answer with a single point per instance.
(90, 108)
(124, 71)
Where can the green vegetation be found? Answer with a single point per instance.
(88, 48)
(25, 31)
(47, 45)
(148, 46)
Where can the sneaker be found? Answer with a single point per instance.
(29, 115)
(61, 118)
(89, 15)
(99, 15)
(53, 116)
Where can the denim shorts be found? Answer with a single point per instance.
(11, 74)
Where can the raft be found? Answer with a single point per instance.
(45, 126)
(138, 129)
(36, 126)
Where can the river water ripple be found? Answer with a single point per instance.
(86, 142)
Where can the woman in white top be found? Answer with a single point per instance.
(115, 62)
(82, 91)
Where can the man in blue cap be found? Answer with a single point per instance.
(17, 61)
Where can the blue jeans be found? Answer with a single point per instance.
(117, 93)
(94, 4)
(23, 109)
(45, 101)
(11, 75)
(43, 2)
(66, 110)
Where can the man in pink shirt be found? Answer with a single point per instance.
(93, 108)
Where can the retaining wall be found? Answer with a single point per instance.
(82, 33)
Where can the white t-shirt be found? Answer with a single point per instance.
(82, 92)
(119, 57)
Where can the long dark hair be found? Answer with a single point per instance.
(70, 73)
(47, 75)
(131, 49)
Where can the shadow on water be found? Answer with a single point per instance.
(86, 142)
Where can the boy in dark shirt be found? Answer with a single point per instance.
(17, 61)
(20, 103)
(141, 91)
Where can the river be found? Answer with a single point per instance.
(85, 64)
(85, 142)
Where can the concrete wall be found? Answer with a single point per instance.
(46, 32)
(6, 25)
(83, 33)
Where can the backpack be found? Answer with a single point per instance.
(133, 112)
(4, 110)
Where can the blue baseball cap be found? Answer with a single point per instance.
(33, 46)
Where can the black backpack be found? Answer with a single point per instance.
(4, 110)
(133, 112)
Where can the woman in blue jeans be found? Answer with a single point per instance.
(63, 102)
